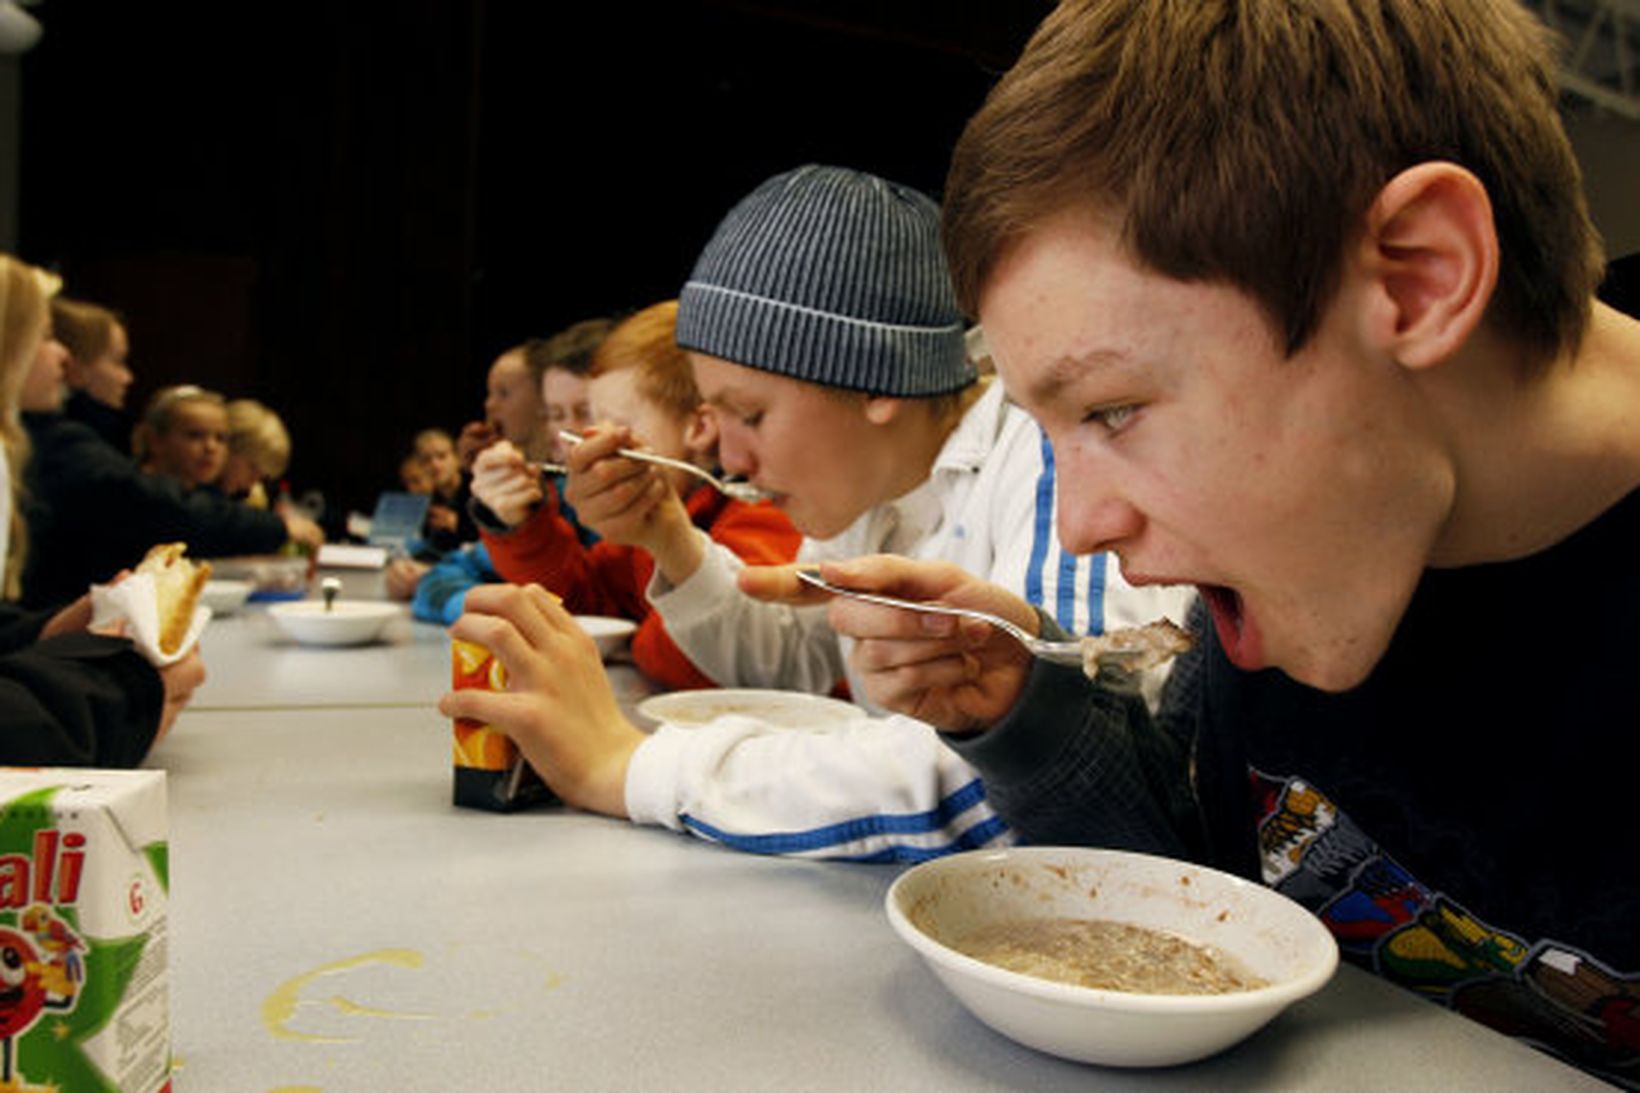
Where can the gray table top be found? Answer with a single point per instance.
(337, 925)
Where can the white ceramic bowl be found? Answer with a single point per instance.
(349, 622)
(783, 709)
(1267, 933)
(609, 634)
(225, 597)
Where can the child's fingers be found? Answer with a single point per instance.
(779, 584)
(521, 619)
(502, 710)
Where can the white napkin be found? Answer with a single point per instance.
(133, 602)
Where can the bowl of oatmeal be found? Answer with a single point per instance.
(1105, 956)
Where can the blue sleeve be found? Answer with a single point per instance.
(441, 594)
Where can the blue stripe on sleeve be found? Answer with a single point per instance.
(1096, 592)
(864, 827)
(1042, 530)
(1065, 601)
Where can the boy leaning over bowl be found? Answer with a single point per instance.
(824, 335)
(1303, 296)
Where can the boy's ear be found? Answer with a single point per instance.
(700, 431)
(1430, 253)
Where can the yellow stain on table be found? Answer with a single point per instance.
(280, 1006)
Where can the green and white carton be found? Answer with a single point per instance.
(84, 878)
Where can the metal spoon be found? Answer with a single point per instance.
(1117, 665)
(738, 491)
(328, 589)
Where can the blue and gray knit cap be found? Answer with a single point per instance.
(831, 276)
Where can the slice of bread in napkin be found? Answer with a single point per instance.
(177, 585)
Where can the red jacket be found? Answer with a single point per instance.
(609, 579)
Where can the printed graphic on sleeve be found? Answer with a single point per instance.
(1546, 993)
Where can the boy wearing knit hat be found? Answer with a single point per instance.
(826, 338)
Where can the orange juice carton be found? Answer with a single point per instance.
(84, 875)
(490, 772)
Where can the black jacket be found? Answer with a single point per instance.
(114, 426)
(74, 700)
(91, 513)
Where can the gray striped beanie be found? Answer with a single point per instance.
(831, 276)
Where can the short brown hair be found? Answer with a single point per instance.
(85, 329)
(648, 342)
(1242, 141)
(570, 349)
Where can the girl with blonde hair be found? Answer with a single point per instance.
(67, 696)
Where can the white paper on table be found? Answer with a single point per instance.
(134, 602)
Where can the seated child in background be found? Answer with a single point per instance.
(566, 354)
(513, 411)
(183, 433)
(833, 357)
(568, 360)
(448, 525)
(92, 512)
(413, 476)
(640, 382)
(435, 588)
(258, 452)
(67, 696)
(97, 374)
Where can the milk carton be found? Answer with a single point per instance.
(83, 882)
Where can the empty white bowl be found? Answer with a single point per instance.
(1265, 932)
(349, 622)
(225, 597)
(608, 633)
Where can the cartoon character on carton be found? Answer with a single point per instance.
(30, 985)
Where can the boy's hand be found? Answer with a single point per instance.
(960, 675)
(403, 575)
(558, 706)
(503, 481)
(475, 437)
(630, 502)
(300, 529)
(76, 617)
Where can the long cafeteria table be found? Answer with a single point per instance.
(337, 925)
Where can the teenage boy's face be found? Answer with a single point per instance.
(1292, 491)
(568, 406)
(512, 404)
(814, 451)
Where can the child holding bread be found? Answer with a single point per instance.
(67, 696)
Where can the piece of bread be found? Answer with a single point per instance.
(177, 585)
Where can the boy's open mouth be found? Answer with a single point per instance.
(1229, 620)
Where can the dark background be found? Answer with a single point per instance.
(348, 209)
